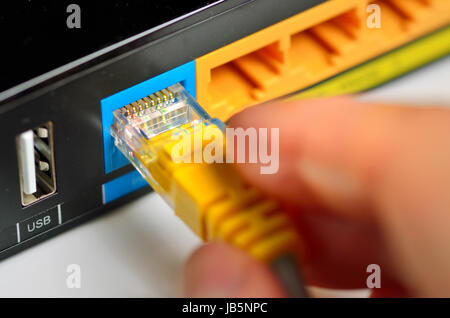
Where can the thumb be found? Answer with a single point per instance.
(220, 270)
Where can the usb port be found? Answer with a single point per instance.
(36, 163)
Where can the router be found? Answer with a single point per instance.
(67, 69)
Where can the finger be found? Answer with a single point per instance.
(384, 167)
(220, 270)
(340, 146)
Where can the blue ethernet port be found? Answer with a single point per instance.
(184, 74)
(113, 158)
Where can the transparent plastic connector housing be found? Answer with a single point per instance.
(143, 129)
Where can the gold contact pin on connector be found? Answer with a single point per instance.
(154, 101)
(135, 107)
(151, 102)
(141, 105)
(157, 99)
(145, 103)
(168, 95)
(162, 97)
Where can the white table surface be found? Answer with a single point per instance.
(139, 249)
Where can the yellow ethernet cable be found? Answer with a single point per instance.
(211, 198)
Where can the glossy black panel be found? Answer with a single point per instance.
(35, 37)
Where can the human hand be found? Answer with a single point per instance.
(368, 184)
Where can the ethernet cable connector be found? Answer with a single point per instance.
(142, 129)
(211, 198)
